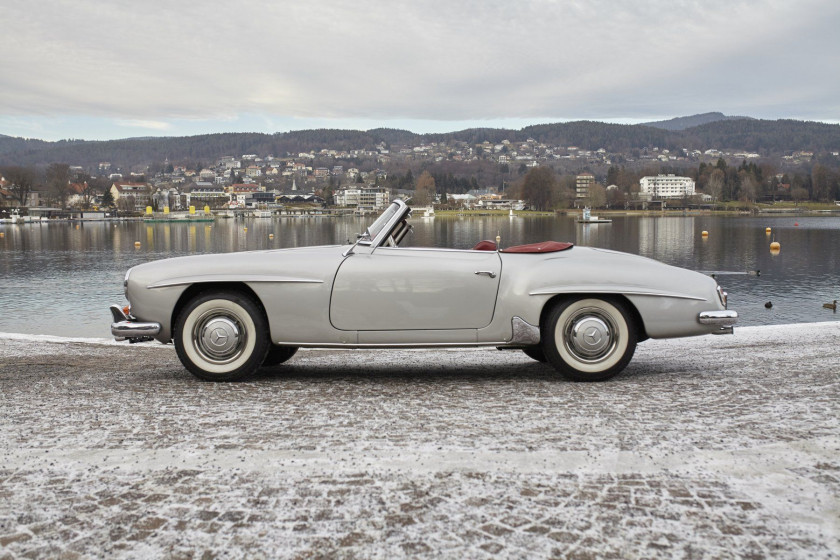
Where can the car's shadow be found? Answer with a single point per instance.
(385, 373)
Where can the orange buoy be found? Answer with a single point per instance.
(796, 224)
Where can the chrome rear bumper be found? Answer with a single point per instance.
(124, 327)
(723, 319)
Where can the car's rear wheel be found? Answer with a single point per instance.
(278, 355)
(221, 336)
(535, 353)
(589, 339)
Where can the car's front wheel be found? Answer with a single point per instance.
(221, 336)
(589, 339)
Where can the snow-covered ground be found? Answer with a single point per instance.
(715, 447)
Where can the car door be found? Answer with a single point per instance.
(415, 289)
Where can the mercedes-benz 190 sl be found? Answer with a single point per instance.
(581, 309)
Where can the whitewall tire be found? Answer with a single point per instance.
(589, 339)
(221, 336)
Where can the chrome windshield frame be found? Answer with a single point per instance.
(401, 213)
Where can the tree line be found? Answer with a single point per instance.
(56, 183)
(762, 136)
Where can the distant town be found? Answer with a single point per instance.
(507, 174)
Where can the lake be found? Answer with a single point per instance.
(60, 278)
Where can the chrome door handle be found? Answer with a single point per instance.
(486, 273)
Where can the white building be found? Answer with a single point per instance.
(364, 198)
(666, 186)
(582, 184)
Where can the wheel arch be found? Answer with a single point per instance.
(621, 298)
(195, 289)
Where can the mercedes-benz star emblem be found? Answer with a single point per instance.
(218, 337)
(592, 335)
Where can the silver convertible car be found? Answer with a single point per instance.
(582, 310)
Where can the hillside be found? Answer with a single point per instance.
(762, 136)
(682, 123)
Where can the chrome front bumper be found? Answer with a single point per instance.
(124, 327)
(723, 319)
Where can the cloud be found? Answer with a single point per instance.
(149, 63)
(152, 125)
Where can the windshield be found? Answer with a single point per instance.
(383, 219)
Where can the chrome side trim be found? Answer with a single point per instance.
(186, 280)
(524, 332)
(373, 346)
(583, 289)
(719, 318)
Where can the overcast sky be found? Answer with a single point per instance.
(114, 69)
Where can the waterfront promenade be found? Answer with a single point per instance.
(713, 447)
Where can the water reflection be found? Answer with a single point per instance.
(60, 278)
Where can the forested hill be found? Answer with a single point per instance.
(682, 123)
(762, 136)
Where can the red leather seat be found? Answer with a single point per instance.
(485, 246)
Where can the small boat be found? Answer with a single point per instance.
(15, 218)
(588, 218)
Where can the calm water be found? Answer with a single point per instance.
(59, 279)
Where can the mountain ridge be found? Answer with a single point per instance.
(683, 123)
(766, 137)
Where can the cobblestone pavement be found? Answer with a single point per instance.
(715, 447)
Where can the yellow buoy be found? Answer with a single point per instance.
(2, 235)
(775, 248)
(767, 231)
(137, 244)
(245, 228)
(704, 233)
(77, 226)
(271, 236)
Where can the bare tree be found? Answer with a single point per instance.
(88, 191)
(798, 194)
(424, 192)
(714, 186)
(597, 195)
(58, 179)
(748, 189)
(21, 180)
(538, 187)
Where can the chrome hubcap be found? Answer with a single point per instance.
(590, 335)
(219, 336)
